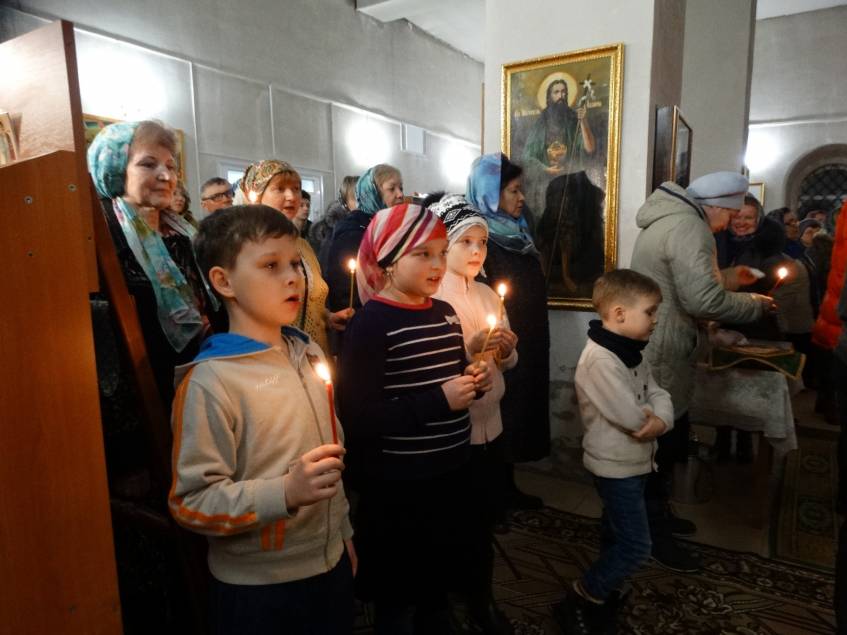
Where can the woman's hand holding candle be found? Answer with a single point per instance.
(781, 275)
(338, 321)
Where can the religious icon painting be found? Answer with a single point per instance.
(561, 123)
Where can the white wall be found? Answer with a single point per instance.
(543, 27)
(716, 81)
(251, 83)
(798, 96)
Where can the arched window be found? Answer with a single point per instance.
(825, 188)
(818, 178)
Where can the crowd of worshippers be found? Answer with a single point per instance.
(375, 353)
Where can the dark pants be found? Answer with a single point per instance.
(624, 535)
(414, 539)
(313, 606)
(489, 482)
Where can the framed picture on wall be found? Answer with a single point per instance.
(671, 148)
(757, 190)
(94, 124)
(561, 122)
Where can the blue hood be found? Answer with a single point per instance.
(228, 345)
(233, 345)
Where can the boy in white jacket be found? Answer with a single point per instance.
(623, 410)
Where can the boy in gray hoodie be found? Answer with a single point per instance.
(256, 466)
(623, 410)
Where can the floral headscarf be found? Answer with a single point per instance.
(367, 193)
(392, 234)
(108, 157)
(258, 175)
(484, 189)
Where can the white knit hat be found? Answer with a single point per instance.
(721, 189)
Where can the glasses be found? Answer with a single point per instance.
(220, 196)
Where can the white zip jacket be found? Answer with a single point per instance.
(243, 412)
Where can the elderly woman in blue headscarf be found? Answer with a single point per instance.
(378, 188)
(494, 187)
(133, 168)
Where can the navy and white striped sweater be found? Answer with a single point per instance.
(396, 419)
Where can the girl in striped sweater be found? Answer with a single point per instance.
(406, 387)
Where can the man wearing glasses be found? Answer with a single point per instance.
(215, 194)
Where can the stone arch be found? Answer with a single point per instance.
(833, 153)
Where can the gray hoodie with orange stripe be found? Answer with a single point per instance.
(243, 412)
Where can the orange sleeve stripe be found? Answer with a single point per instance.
(220, 529)
(177, 414)
(189, 514)
(178, 510)
(279, 535)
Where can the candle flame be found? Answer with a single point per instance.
(323, 372)
(351, 265)
(253, 197)
(492, 320)
(782, 272)
(501, 290)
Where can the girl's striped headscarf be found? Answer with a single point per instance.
(392, 234)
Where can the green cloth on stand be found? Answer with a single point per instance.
(788, 361)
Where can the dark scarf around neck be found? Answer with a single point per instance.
(627, 349)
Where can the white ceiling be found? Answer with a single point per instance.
(461, 23)
(774, 8)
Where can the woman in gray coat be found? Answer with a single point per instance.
(676, 248)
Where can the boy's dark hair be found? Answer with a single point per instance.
(624, 286)
(221, 235)
(306, 195)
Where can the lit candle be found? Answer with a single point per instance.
(781, 274)
(351, 265)
(492, 322)
(323, 372)
(501, 291)
(253, 196)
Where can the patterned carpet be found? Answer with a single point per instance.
(735, 594)
(806, 527)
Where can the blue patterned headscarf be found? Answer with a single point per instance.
(367, 193)
(484, 190)
(108, 157)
